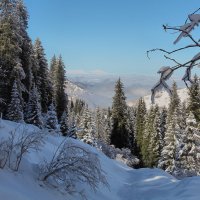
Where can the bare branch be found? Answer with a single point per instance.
(72, 163)
(170, 52)
(166, 72)
(172, 60)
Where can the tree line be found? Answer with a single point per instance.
(29, 90)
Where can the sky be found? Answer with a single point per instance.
(108, 36)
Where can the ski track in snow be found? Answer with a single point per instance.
(125, 183)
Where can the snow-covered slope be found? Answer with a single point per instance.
(162, 98)
(125, 183)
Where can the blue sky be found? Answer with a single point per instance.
(109, 36)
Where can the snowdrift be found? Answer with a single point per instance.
(125, 183)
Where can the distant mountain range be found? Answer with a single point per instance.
(99, 90)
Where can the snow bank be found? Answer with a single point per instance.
(125, 183)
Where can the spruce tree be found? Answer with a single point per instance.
(147, 134)
(26, 48)
(169, 152)
(189, 148)
(52, 121)
(107, 127)
(194, 99)
(174, 100)
(64, 123)
(119, 135)
(162, 126)
(60, 95)
(19, 75)
(43, 83)
(53, 64)
(155, 142)
(131, 129)
(140, 126)
(10, 41)
(33, 109)
(15, 109)
(84, 124)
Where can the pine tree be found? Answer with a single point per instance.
(194, 98)
(52, 121)
(140, 126)
(98, 124)
(162, 125)
(189, 148)
(84, 123)
(107, 127)
(26, 48)
(174, 100)
(72, 131)
(155, 142)
(119, 135)
(147, 134)
(33, 109)
(131, 130)
(15, 109)
(43, 83)
(60, 95)
(89, 130)
(10, 41)
(18, 75)
(169, 152)
(53, 68)
(64, 123)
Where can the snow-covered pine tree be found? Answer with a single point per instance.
(145, 148)
(173, 137)
(64, 127)
(194, 98)
(107, 127)
(162, 126)
(52, 121)
(83, 124)
(131, 129)
(90, 132)
(189, 148)
(72, 130)
(33, 109)
(15, 109)
(18, 75)
(169, 152)
(155, 142)
(98, 124)
(174, 101)
(119, 134)
(86, 130)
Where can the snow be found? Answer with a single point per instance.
(162, 98)
(125, 183)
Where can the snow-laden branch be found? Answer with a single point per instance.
(166, 72)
